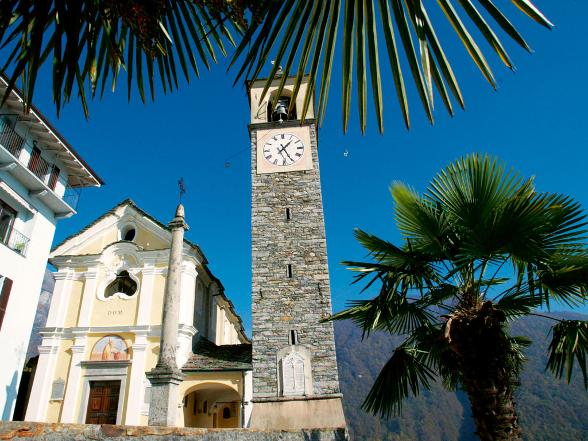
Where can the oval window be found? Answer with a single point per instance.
(128, 233)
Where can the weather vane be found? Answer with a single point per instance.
(182, 187)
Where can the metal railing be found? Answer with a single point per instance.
(15, 240)
(11, 140)
(40, 167)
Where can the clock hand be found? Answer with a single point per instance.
(287, 154)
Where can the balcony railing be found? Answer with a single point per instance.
(15, 240)
(11, 140)
(41, 168)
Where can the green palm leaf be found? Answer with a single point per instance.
(569, 344)
(90, 41)
(407, 18)
(405, 373)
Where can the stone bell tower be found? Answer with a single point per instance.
(295, 379)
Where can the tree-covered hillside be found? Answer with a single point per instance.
(549, 409)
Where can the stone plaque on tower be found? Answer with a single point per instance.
(295, 379)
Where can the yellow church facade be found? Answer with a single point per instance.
(104, 327)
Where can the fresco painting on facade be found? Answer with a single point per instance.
(108, 348)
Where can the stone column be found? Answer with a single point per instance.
(166, 377)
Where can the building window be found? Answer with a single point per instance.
(288, 214)
(54, 176)
(37, 164)
(128, 233)
(5, 287)
(122, 284)
(205, 406)
(293, 337)
(226, 413)
(7, 217)
(289, 271)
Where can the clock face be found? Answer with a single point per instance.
(283, 149)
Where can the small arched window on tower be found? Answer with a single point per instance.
(281, 111)
(121, 284)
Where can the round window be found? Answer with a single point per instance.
(128, 233)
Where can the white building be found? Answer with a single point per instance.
(40, 179)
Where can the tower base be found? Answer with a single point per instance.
(295, 413)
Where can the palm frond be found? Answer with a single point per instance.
(390, 311)
(518, 302)
(88, 42)
(569, 344)
(405, 373)
(365, 24)
(564, 277)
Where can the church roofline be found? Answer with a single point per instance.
(132, 204)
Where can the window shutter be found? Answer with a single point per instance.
(4, 295)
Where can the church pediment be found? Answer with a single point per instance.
(125, 223)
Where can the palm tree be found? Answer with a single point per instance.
(89, 42)
(480, 248)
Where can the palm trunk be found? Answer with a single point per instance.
(484, 357)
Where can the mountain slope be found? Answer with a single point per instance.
(549, 409)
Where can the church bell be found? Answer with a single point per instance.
(280, 112)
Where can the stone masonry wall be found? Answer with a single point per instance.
(279, 303)
(80, 432)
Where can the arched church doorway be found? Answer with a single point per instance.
(212, 405)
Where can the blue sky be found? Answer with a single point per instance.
(535, 121)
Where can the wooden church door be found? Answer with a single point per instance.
(103, 402)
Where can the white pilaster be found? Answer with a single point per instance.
(41, 390)
(247, 397)
(73, 386)
(137, 381)
(188, 293)
(184, 348)
(212, 311)
(146, 295)
(59, 301)
(88, 296)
